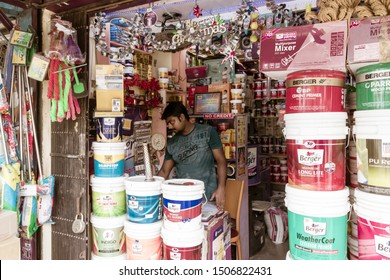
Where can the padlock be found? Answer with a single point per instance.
(78, 225)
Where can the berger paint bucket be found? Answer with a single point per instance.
(317, 223)
(372, 133)
(143, 241)
(117, 258)
(108, 126)
(373, 211)
(179, 245)
(108, 159)
(373, 87)
(108, 196)
(316, 150)
(310, 91)
(143, 199)
(182, 203)
(108, 236)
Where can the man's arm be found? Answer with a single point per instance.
(219, 194)
(166, 168)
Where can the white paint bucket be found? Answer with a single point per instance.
(373, 211)
(108, 236)
(318, 223)
(143, 241)
(108, 196)
(182, 203)
(108, 159)
(163, 72)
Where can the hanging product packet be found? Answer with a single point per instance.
(29, 217)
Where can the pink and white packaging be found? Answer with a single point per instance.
(317, 46)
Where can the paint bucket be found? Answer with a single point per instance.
(310, 91)
(316, 151)
(353, 248)
(143, 199)
(318, 223)
(108, 126)
(163, 83)
(179, 245)
(288, 256)
(373, 87)
(182, 203)
(143, 241)
(108, 236)
(163, 73)
(108, 196)
(253, 163)
(372, 133)
(108, 159)
(373, 211)
(117, 258)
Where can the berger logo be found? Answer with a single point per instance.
(108, 235)
(314, 228)
(310, 157)
(309, 144)
(174, 207)
(387, 229)
(109, 121)
(382, 245)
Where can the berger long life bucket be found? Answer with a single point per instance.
(373, 211)
(108, 126)
(373, 87)
(108, 196)
(108, 159)
(182, 203)
(372, 133)
(143, 241)
(108, 236)
(310, 91)
(316, 145)
(143, 199)
(179, 245)
(317, 223)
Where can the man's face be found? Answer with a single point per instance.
(176, 124)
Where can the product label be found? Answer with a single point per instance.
(109, 205)
(182, 211)
(108, 242)
(178, 253)
(314, 228)
(144, 209)
(252, 162)
(373, 90)
(310, 157)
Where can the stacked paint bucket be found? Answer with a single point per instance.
(108, 191)
(144, 213)
(182, 232)
(316, 197)
(372, 134)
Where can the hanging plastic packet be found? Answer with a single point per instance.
(46, 201)
(10, 180)
(3, 96)
(29, 215)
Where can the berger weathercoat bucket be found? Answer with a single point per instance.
(179, 245)
(373, 211)
(143, 199)
(108, 236)
(143, 241)
(316, 150)
(182, 203)
(372, 133)
(373, 87)
(310, 91)
(108, 159)
(317, 223)
(108, 126)
(108, 196)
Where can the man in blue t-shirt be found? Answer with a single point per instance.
(193, 150)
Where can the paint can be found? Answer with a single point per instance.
(108, 159)
(143, 199)
(316, 150)
(373, 87)
(253, 163)
(182, 203)
(310, 91)
(108, 126)
(179, 245)
(372, 133)
(373, 213)
(143, 241)
(353, 248)
(319, 220)
(108, 196)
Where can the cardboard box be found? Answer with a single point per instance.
(8, 224)
(10, 249)
(224, 89)
(109, 88)
(364, 44)
(317, 46)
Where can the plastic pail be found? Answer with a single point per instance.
(108, 159)
(316, 151)
(143, 241)
(317, 223)
(109, 128)
(373, 212)
(143, 199)
(182, 203)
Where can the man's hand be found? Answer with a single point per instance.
(219, 196)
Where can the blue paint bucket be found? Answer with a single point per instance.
(143, 199)
(108, 126)
(108, 159)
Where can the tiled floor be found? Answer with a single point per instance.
(271, 251)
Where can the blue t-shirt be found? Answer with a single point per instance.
(193, 155)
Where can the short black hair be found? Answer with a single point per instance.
(175, 109)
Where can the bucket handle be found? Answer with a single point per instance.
(206, 200)
(350, 213)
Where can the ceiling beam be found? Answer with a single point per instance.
(6, 21)
(15, 3)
